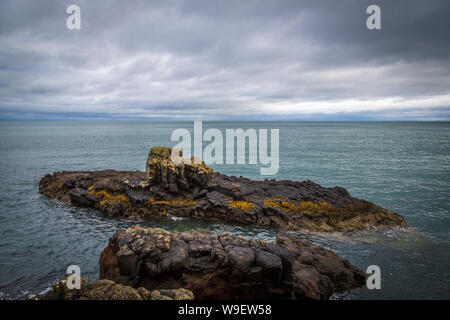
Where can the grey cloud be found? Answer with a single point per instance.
(215, 59)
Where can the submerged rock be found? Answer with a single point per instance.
(226, 266)
(190, 189)
(109, 290)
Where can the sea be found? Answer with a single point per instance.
(401, 166)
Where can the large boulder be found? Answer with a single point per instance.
(176, 175)
(225, 266)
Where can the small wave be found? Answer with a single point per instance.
(174, 218)
(45, 291)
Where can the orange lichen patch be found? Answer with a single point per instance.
(153, 201)
(184, 203)
(109, 199)
(304, 207)
(241, 205)
(91, 191)
(326, 205)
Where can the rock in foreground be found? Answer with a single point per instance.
(226, 266)
(193, 190)
(109, 290)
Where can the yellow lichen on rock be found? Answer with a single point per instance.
(174, 202)
(303, 207)
(241, 205)
(109, 199)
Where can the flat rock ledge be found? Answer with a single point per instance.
(191, 189)
(226, 266)
(109, 290)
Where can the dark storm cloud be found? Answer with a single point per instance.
(225, 59)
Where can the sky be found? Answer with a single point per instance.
(225, 60)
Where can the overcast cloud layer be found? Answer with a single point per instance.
(214, 59)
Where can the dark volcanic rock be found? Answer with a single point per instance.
(192, 190)
(319, 272)
(80, 197)
(226, 266)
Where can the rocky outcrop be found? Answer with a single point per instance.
(226, 266)
(192, 190)
(109, 290)
(319, 272)
(179, 175)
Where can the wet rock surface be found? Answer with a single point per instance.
(226, 266)
(193, 190)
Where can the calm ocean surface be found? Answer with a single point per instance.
(404, 167)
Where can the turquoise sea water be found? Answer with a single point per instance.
(404, 167)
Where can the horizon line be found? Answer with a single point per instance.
(225, 120)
